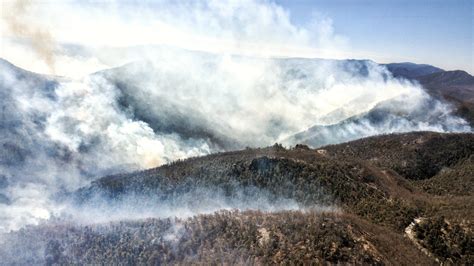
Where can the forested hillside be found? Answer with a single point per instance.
(366, 201)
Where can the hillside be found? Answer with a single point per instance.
(228, 237)
(375, 189)
(415, 156)
(384, 118)
(456, 87)
(450, 99)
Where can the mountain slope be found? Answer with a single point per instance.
(392, 116)
(418, 155)
(370, 179)
(366, 185)
(456, 87)
(448, 101)
(227, 237)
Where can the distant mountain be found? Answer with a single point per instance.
(453, 87)
(447, 78)
(390, 116)
(170, 116)
(456, 87)
(411, 70)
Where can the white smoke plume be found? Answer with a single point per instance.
(178, 79)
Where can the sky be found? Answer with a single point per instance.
(436, 32)
(73, 38)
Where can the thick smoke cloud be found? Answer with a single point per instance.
(240, 101)
(192, 202)
(170, 103)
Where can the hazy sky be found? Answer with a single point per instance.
(437, 32)
(76, 37)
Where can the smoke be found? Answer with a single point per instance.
(192, 202)
(162, 102)
(416, 111)
(238, 101)
(87, 117)
(57, 136)
(104, 215)
(17, 16)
